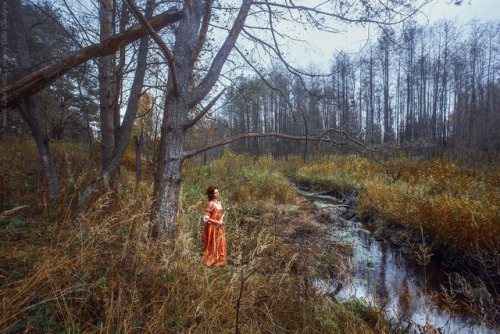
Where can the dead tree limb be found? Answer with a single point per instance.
(163, 47)
(42, 78)
(321, 138)
(204, 111)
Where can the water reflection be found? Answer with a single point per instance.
(384, 275)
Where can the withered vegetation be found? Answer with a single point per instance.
(95, 270)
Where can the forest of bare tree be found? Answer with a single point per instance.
(117, 115)
(426, 90)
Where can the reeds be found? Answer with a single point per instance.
(457, 206)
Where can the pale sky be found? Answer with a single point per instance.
(483, 10)
(323, 45)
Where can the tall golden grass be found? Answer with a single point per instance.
(458, 206)
(96, 271)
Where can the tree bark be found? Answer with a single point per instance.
(107, 97)
(168, 175)
(138, 157)
(173, 130)
(118, 87)
(30, 114)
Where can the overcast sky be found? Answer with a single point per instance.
(323, 45)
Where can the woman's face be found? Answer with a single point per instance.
(216, 194)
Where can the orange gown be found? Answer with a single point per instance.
(214, 236)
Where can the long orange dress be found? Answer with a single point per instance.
(214, 235)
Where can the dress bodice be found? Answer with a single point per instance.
(214, 210)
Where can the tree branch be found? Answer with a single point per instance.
(203, 31)
(321, 138)
(56, 21)
(204, 111)
(163, 47)
(213, 73)
(343, 18)
(42, 78)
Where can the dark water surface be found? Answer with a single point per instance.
(383, 274)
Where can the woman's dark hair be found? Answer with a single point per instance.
(210, 192)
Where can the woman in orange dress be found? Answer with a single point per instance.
(214, 236)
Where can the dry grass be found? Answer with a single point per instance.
(96, 272)
(457, 206)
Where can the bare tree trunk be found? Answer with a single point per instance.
(133, 103)
(192, 27)
(168, 174)
(28, 109)
(173, 132)
(113, 163)
(385, 73)
(3, 130)
(30, 114)
(306, 134)
(371, 108)
(118, 85)
(106, 92)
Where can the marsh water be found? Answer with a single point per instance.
(383, 274)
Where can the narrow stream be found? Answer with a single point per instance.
(384, 274)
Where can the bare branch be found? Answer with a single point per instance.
(56, 21)
(42, 78)
(203, 31)
(204, 111)
(343, 18)
(321, 138)
(166, 52)
(213, 73)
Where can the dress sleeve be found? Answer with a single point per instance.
(206, 216)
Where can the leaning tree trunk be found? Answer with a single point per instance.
(29, 112)
(28, 109)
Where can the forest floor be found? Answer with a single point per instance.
(95, 271)
(64, 270)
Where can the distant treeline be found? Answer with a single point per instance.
(426, 89)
